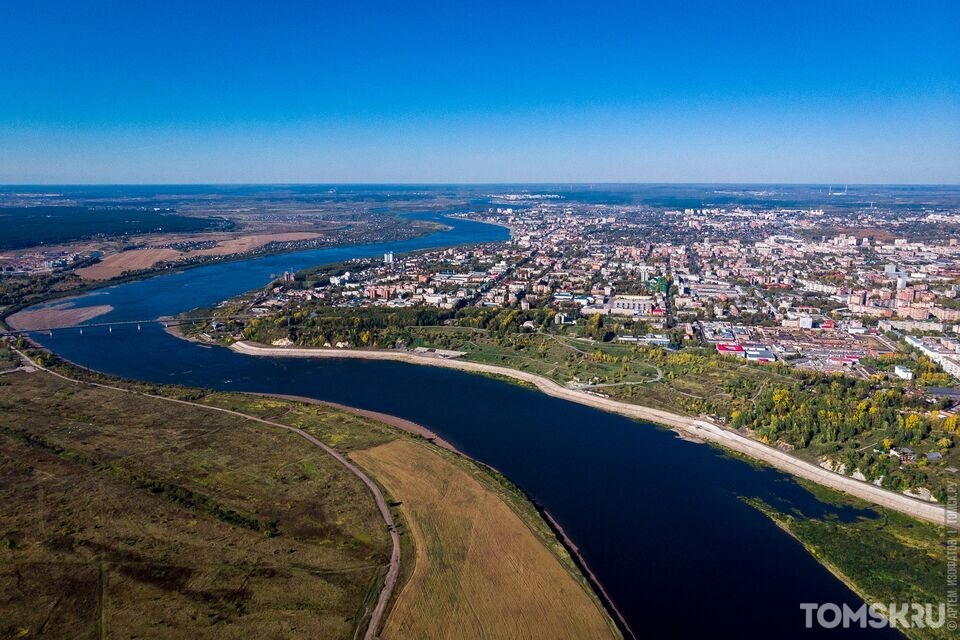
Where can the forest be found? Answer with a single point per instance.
(31, 226)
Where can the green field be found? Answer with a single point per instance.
(690, 382)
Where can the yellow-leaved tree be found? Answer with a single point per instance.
(950, 424)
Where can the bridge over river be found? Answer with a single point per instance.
(166, 322)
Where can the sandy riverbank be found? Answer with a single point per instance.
(695, 427)
(55, 316)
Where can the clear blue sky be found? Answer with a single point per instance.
(409, 91)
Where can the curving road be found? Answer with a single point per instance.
(376, 617)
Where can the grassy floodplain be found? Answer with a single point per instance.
(130, 516)
(157, 520)
(889, 559)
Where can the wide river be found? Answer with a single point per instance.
(660, 521)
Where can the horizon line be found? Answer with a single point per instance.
(471, 183)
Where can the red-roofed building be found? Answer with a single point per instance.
(730, 349)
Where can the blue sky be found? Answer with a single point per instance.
(412, 91)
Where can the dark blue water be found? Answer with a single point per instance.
(659, 520)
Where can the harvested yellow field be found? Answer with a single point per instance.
(479, 570)
(134, 260)
(117, 264)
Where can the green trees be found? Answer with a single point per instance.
(372, 326)
(832, 409)
(43, 359)
(950, 424)
(598, 330)
(781, 401)
(854, 423)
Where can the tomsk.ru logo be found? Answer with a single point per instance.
(897, 615)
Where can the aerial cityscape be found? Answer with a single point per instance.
(312, 326)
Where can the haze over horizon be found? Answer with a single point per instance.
(173, 93)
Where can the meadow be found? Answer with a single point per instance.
(157, 520)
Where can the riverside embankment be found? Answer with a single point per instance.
(699, 428)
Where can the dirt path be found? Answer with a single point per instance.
(393, 421)
(376, 617)
(695, 427)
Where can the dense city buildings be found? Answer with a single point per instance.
(813, 289)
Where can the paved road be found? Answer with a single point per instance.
(698, 428)
(376, 618)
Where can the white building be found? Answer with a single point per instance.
(631, 305)
(902, 372)
(942, 351)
